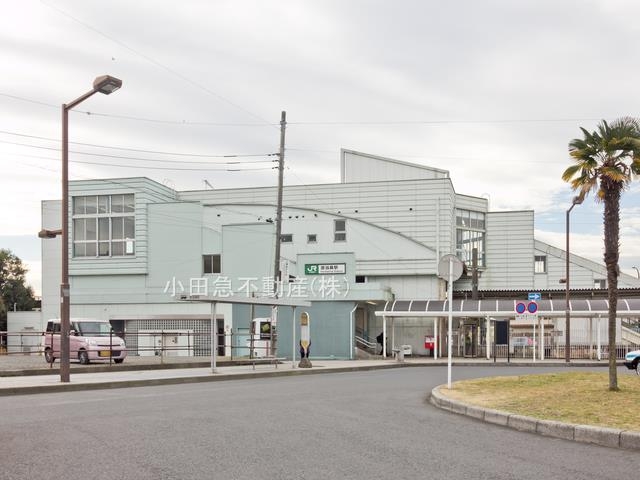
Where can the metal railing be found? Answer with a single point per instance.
(157, 343)
(162, 344)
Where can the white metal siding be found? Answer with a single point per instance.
(509, 251)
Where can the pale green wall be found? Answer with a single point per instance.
(330, 327)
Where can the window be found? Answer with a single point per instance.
(312, 238)
(360, 279)
(286, 238)
(211, 264)
(599, 283)
(470, 234)
(339, 230)
(540, 264)
(104, 225)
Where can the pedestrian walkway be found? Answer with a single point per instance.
(31, 376)
(50, 382)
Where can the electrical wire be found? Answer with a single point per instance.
(311, 123)
(146, 167)
(138, 150)
(155, 62)
(142, 159)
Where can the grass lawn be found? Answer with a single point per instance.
(572, 397)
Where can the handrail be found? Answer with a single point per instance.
(366, 343)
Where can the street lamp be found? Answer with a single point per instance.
(103, 84)
(637, 271)
(567, 337)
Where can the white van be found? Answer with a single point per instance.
(89, 340)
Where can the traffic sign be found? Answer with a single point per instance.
(453, 262)
(535, 296)
(520, 307)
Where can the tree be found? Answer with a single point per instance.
(14, 293)
(606, 161)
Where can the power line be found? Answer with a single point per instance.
(155, 62)
(146, 167)
(122, 157)
(155, 152)
(37, 102)
(336, 123)
(142, 119)
(440, 122)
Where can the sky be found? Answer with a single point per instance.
(492, 91)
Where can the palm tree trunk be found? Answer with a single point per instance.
(612, 191)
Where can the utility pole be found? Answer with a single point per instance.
(276, 268)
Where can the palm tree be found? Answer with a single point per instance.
(606, 161)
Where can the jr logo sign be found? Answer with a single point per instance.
(311, 269)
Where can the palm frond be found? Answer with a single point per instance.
(615, 174)
(570, 172)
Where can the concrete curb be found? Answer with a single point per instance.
(128, 367)
(213, 377)
(606, 437)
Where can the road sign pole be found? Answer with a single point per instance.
(534, 340)
(450, 333)
(449, 268)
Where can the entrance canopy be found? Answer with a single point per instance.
(627, 307)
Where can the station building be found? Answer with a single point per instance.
(138, 250)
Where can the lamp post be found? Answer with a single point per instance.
(103, 84)
(567, 337)
(637, 271)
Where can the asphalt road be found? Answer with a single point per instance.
(362, 425)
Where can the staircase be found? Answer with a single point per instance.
(629, 336)
(367, 348)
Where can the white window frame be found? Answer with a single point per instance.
(101, 208)
(539, 260)
(340, 234)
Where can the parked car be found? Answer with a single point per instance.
(89, 340)
(632, 361)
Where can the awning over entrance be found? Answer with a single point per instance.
(627, 307)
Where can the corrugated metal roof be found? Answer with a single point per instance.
(507, 308)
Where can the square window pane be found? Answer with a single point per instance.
(103, 204)
(128, 203)
(129, 227)
(91, 228)
(117, 248)
(340, 237)
(78, 205)
(340, 226)
(91, 205)
(79, 250)
(103, 249)
(117, 228)
(91, 249)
